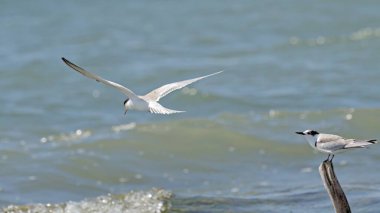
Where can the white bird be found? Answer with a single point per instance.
(148, 102)
(332, 144)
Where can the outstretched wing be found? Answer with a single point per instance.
(157, 108)
(82, 71)
(160, 92)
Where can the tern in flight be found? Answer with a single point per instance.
(148, 102)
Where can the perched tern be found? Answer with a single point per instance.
(332, 144)
(148, 102)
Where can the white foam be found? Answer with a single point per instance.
(155, 200)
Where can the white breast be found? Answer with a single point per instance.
(138, 104)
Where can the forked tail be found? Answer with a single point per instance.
(157, 108)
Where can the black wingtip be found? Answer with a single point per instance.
(372, 141)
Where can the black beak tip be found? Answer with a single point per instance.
(300, 133)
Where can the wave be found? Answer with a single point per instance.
(362, 34)
(255, 125)
(155, 200)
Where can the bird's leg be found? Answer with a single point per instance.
(332, 158)
(327, 158)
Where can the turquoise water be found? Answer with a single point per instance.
(288, 66)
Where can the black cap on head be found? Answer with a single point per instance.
(126, 100)
(308, 132)
(313, 132)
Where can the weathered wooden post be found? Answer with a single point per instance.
(338, 198)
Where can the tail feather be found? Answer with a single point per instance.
(157, 108)
(360, 144)
(373, 141)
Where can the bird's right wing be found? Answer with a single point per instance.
(160, 92)
(82, 71)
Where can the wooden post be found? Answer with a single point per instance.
(338, 198)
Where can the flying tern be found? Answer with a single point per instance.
(148, 102)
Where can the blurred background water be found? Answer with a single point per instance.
(289, 66)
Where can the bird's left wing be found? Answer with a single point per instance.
(360, 144)
(160, 92)
(82, 71)
(325, 138)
